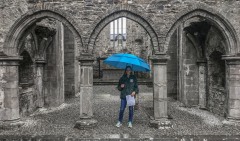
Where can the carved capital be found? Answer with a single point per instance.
(161, 58)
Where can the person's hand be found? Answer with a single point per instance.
(122, 85)
(133, 93)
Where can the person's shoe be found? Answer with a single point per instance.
(118, 124)
(130, 124)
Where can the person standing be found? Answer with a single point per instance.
(128, 86)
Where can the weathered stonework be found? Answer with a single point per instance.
(233, 67)
(163, 20)
(9, 91)
(202, 84)
(86, 93)
(137, 42)
(216, 80)
(160, 90)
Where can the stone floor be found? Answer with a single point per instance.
(59, 122)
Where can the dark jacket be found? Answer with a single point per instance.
(130, 85)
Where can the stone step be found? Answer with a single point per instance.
(124, 137)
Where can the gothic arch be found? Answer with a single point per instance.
(204, 11)
(28, 19)
(130, 12)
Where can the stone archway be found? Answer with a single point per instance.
(159, 67)
(130, 12)
(10, 46)
(231, 43)
(204, 11)
(10, 56)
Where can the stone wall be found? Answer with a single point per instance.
(27, 73)
(234, 88)
(69, 58)
(27, 101)
(86, 18)
(54, 71)
(163, 13)
(216, 82)
(137, 42)
(190, 70)
(172, 67)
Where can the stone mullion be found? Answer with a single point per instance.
(233, 86)
(113, 34)
(39, 82)
(160, 91)
(202, 84)
(86, 93)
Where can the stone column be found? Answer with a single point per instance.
(39, 82)
(86, 92)
(233, 86)
(160, 91)
(9, 91)
(202, 85)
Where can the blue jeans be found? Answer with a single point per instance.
(122, 108)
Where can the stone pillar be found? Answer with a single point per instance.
(202, 84)
(39, 82)
(86, 92)
(9, 91)
(233, 86)
(180, 77)
(160, 91)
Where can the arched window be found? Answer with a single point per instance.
(118, 31)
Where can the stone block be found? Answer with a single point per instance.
(9, 114)
(86, 101)
(234, 92)
(12, 84)
(193, 102)
(160, 91)
(2, 114)
(234, 104)
(160, 108)
(234, 113)
(14, 103)
(234, 70)
(234, 82)
(84, 76)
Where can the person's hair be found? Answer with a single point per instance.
(125, 71)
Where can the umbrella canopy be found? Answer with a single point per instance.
(121, 60)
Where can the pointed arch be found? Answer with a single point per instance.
(10, 46)
(215, 18)
(129, 12)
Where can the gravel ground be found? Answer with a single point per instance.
(60, 121)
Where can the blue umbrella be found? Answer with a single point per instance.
(121, 60)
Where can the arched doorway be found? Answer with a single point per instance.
(86, 113)
(199, 52)
(54, 38)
